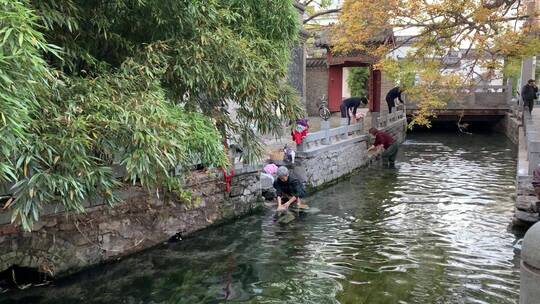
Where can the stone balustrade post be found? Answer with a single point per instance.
(345, 123)
(375, 119)
(325, 126)
(301, 147)
(529, 292)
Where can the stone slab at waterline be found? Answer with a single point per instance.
(61, 244)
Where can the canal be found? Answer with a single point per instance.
(435, 230)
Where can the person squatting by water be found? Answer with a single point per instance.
(391, 98)
(288, 188)
(385, 141)
(528, 94)
(350, 105)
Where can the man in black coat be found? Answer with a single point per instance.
(350, 105)
(528, 94)
(391, 98)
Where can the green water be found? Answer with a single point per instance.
(433, 231)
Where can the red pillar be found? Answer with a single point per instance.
(374, 90)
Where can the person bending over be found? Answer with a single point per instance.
(385, 141)
(288, 189)
(350, 105)
(391, 98)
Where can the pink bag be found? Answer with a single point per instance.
(270, 169)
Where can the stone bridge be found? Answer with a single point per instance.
(487, 103)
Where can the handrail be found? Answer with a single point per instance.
(385, 121)
(327, 136)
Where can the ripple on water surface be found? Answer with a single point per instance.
(432, 231)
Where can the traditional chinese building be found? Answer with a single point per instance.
(327, 75)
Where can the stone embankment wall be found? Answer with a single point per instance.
(326, 163)
(510, 125)
(61, 244)
(526, 207)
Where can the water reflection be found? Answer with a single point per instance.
(433, 231)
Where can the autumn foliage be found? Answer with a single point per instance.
(489, 33)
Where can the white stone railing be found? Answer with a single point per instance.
(327, 136)
(531, 129)
(389, 119)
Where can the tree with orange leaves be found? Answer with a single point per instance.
(491, 33)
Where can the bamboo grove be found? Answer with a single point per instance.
(494, 35)
(88, 86)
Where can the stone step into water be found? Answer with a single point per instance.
(284, 217)
(527, 217)
(527, 203)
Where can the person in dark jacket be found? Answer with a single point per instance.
(288, 188)
(391, 97)
(536, 181)
(386, 142)
(350, 105)
(528, 94)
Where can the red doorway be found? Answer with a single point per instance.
(335, 86)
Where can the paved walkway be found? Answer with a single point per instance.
(523, 163)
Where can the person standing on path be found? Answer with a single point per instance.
(350, 105)
(385, 141)
(528, 94)
(536, 181)
(391, 98)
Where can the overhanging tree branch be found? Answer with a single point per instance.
(306, 3)
(321, 13)
(498, 3)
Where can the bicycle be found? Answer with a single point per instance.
(324, 112)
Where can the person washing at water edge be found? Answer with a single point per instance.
(288, 188)
(386, 142)
(350, 105)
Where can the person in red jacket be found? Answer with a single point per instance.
(385, 141)
(300, 131)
